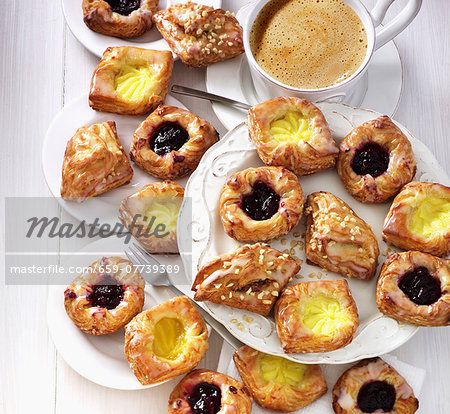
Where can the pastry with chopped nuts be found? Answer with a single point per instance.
(250, 278)
(337, 239)
(94, 162)
(200, 35)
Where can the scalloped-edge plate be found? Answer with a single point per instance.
(377, 333)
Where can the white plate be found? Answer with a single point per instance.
(377, 334)
(96, 43)
(74, 115)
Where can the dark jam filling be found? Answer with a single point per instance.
(376, 395)
(262, 203)
(205, 398)
(124, 7)
(420, 287)
(170, 137)
(371, 159)
(107, 295)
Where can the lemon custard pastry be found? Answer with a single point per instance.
(317, 316)
(105, 298)
(209, 392)
(337, 239)
(200, 35)
(249, 278)
(171, 141)
(260, 204)
(94, 162)
(419, 219)
(151, 213)
(277, 383)
(414, 287)
(120, 18)
(375, 161)
(165, 341)
(292, 133)
(373, 386)
(130, 80)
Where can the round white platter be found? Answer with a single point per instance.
(377, 334)
(96, 43)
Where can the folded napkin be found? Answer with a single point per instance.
(413, 375)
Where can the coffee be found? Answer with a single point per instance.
(308, 44)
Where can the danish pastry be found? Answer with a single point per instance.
(130, 80)
(318, 316)
(120, 18)
(171, 141)
(419, 219)
(206, 392)
(277, 383)
(249, 278)
(151, 214)
(373, 386)
(200, 35)
(165, 341)
(261, 203)
(375, 161)
(414, 287)
(292, 133)
(94, 162)
(337, 239)
(106, 297)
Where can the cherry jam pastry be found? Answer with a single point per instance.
(262, 203)
(375, 161)
(209, 392)
(414, 287)
(124, 7)
(107, 294)
(168, 138)
(373, 386)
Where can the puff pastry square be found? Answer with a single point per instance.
(94, 162)
(337, 239)
(318, 316)
(292, 133)
(200, 35)
(130, 80)
(277, 383)
(249, 278)
(419, 219)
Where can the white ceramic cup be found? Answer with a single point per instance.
(268, 87)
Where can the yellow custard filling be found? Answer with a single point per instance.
(431, 215)
(281, 371)
(132, 82)
(164, 214)
(169, 338)
(293, 127)
(323, 315)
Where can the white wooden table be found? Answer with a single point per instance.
(44, 66)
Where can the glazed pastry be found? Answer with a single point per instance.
(206, 392)
(261, 203)
(249, 278)
(120, 18)
(318, 316)
(375, 161)
(414, 287)
(171, 141)
(200, 35)
(337, 239)
(151, 214)
(94, 162)
(106, 297)
(373, 386)
(419, 219)
(277, 383)
(130, 80)
(292, 133)
(165, 341)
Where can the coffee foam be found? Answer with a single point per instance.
(308, 44)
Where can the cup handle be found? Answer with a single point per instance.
(397, 25)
